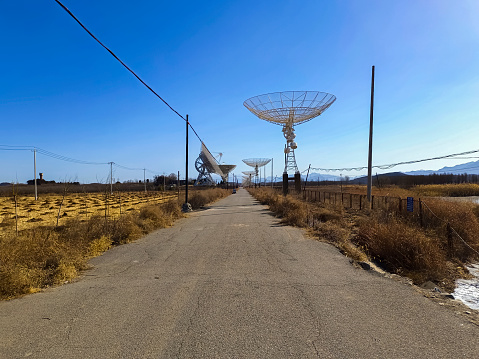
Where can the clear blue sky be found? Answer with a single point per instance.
(62, 92)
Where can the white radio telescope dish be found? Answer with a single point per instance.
(288, 109)
(206, 165)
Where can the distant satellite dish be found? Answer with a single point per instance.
(226, 169)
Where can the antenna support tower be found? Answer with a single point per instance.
(247, 177)
(257, 163)
(288, 109)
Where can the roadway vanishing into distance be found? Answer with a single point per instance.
(231, 282)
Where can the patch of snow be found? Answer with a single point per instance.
(467, 290)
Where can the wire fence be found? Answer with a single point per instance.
(21, 212)
(413, 209)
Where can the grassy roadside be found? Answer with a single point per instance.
(395, 243)
(46, 255)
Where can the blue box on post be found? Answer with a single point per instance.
(410, 204)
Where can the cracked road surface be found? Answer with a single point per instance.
(231, 282)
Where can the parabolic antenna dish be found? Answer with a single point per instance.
(289, 106)
(226, 169)
(288, 109)
(257, 162)
(249, 173)
(206, 165)
(209, 161)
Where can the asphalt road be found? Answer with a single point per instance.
(231, 282)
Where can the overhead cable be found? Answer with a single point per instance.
(124, 65)
(69, 159)
(388, 166)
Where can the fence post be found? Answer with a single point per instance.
(360, 204)
(450, 244)
(16, 216)
(372, 202)
(421, 222)
(400, 205)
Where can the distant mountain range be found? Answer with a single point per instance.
(469, 167)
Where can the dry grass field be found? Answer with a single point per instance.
(28, 213)
(36, 253)
(432, 190)
(398, 242)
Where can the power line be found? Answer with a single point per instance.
(388, 166)
(69, 159)
(117, 58)
(124, 65)
(16, 148)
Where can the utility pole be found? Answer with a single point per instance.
(186, 205)
(35, 170)
(144, 177)
(111, 177)
(370, 155)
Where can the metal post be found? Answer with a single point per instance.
(264, 177)
(186, 166)
(285, 183)
(35, 170)
(186, 206)
(271, 173)
(306, 182)
(259, 178)
(370, 155)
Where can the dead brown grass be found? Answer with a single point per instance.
(444, 190)
(49, 206)
(45, 256)
(404, 249)
(447, 190)
(328, 223)
(398, 243)
(200, 198)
